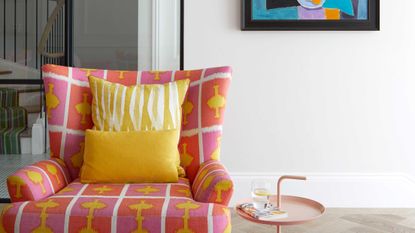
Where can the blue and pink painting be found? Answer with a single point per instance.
(310, 9)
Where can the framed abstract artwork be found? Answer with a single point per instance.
(310, 15)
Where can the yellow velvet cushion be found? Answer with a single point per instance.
(144, 107)
(130, 157)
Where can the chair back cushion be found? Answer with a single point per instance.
(153, 107)
(69, 100)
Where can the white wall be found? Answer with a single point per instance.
(325, 103)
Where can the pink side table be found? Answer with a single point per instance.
(300, 210)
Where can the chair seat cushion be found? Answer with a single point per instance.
(166, 207)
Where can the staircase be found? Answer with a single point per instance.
(34, 33)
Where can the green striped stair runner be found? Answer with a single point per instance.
(13, 121)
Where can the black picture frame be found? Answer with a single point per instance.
(371, 24)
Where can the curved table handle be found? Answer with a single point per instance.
(279, 186)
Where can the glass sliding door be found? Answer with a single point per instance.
(105, 34)
(127, 34)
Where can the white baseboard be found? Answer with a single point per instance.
(390, 190)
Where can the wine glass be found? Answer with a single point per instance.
(261, 190)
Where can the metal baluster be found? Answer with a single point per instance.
(4, 27)
(68, 33)
(36, 32)
(15, 29)
(60, 35)
(63, 35)
(182, 34)
(52, 42)
(48, 40)
(25, 37)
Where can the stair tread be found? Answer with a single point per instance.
(27, 133)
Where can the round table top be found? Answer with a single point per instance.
(299, 210)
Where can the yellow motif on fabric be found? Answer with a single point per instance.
(207, 182)
(216, 153)
(66, 190)
(36, 178)
(228, 228)
(84, 108)
(78, 158)
(186, 158)
(186, 192)
(186, 206)
(103, 189)
(52, 100)
(203, 173)
(187, 109)
(222, 186)
(52, 170)
(60, 162)
(188, 73)
(217, 101)
(88, 71)
(18, 182)
(139, 217)
(147, 190)
(91, 206)
(3, 212)
(121, 76)
(156, 74)
(43, 228)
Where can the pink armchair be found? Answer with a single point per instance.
(48, 197)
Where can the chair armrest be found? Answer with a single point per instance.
(212, 184)
(38, 181)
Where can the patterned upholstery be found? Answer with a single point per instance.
(118, 208)
(68, 99)
(48, 200)
(212, 184)
(38, 181)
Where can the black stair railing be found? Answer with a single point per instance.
(35, 32)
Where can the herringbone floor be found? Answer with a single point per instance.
(341, 221)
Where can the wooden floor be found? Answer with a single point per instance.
(341, 221)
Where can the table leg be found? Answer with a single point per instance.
(279, 229)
